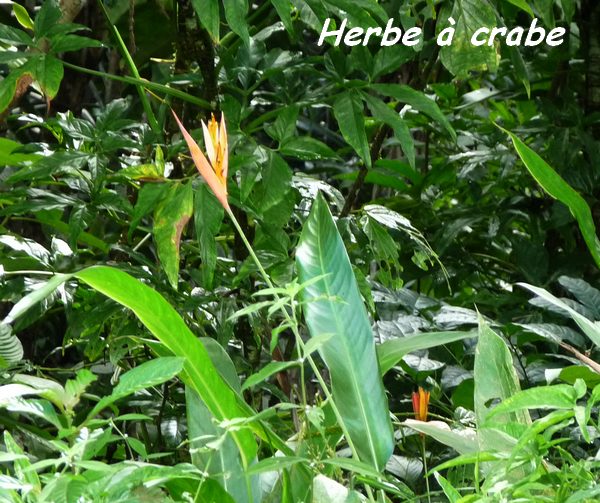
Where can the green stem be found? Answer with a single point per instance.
(151, 86)
(43, 273)
(134, 71)
(424, 455)
(294, 328)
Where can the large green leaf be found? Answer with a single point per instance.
(417, 100)
(48, 71)
(235, 13)
(8, 86)
(208, 14)
(385, 114)
(589, 327)
(392, 351)
(556, 187)
(559, 396)
(207, 369)
(333, 305)
(170, 217)
(14, 36)
(462, 440)
(168, 327)
(348, 111)
(462, 57)
(495, 378)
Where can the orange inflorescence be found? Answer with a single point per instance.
(215, 171)
(420, 402)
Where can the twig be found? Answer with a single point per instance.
(374, 153)
(585, 359)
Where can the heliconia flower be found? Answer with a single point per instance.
(215, 171)
(420, 403)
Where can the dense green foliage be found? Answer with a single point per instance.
(397, 219)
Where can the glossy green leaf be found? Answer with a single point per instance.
(284, 10)
(545, 10)
(556, 187)
(22, 466)
(148, 198)
(8, 86)
(387, 115)
(306, 148)
(212, 492)
(235, 13)
(359, 8)
(34, 297)
(449, 491)
(392, 351)
(352, 465)
(14, 36)
(333, 305)
(348, 111)
(47, 218)
(148, 374)
(170, 218)
(22, 16)
(584, 293)
(46, 18)
(209, 16)
(48, 72)
(521, 4)
(417, 100)
(11, 349)
(68, 42)
(275, 463)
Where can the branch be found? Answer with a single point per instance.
(374, 153)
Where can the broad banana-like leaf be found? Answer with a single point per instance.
(333, 305)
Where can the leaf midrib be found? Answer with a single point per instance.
(344, 339)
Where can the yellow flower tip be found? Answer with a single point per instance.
(215, 139)
(215, 171)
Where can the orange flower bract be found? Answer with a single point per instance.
(420, 401)
(213, 170)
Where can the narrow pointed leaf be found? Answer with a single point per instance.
(556, 187)
(350, 352)
(167, 326)
(392, 351)
(348, 111)
(589, 327)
